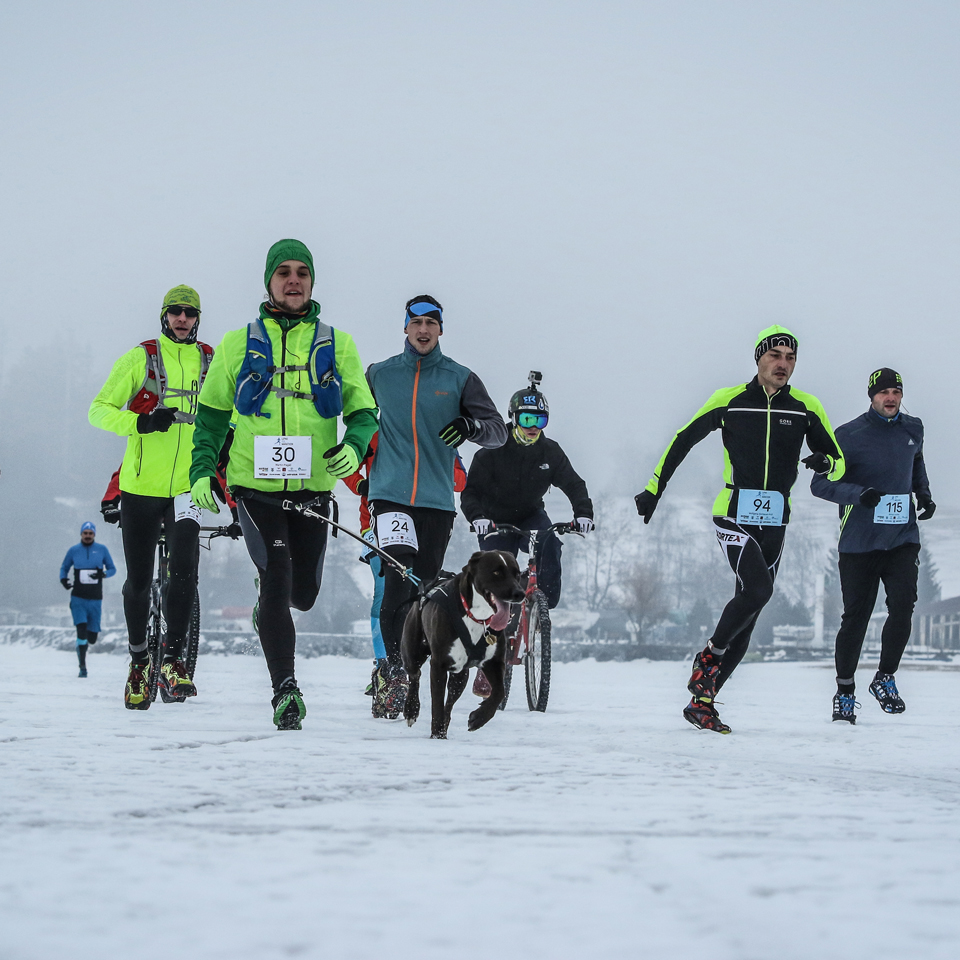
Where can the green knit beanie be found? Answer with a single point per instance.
(181, 294)
(287, 250)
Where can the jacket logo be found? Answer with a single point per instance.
(441, 393)
(544, 466)
(911, 444)
(786, 422)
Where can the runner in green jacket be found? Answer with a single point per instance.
(278, 379)
(150, 398)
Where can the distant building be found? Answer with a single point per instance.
(936, 626)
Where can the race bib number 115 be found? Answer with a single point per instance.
(282, 458)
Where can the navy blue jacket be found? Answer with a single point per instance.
(888, 456)
(94, 557)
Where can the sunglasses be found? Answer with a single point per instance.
(538, 420)
(191, 312)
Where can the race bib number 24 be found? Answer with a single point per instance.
(396, 529)
(282, 458)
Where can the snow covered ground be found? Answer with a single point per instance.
(605, 828)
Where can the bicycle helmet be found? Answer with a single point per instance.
(530, 402)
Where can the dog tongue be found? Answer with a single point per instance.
(501, 615)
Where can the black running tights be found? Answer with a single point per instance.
(288, 550)
(141, 520)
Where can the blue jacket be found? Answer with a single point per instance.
(94, 557)
(418, 396)
(888, 456)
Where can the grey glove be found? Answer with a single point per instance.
(584, 525)
(481, 527)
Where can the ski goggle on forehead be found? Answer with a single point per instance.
(538, 420)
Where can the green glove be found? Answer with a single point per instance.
(342, 460)
(202, 495)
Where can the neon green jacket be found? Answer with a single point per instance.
(155, 464)
(288, 416)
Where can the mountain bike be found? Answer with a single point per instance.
(157, 624)
(529, 641)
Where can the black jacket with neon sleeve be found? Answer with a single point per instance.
(762, 441)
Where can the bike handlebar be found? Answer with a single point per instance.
(561, 528)
(214, 532)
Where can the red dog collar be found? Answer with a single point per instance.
(463, 603)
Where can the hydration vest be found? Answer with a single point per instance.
(154, 390)
(255, 380)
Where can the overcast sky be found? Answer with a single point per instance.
(618, 194)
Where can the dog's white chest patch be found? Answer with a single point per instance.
(458, 653)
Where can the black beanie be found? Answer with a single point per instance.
(883, 379)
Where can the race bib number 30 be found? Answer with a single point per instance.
(282, 458)
(396, 529)
(893, 508)
(760, 508)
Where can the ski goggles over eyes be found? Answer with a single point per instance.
(190, 312)
(538, 420)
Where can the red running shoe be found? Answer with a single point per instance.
(703, 680)
(704, 716)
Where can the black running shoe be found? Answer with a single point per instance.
(703, 679)
(884, 688)
(288, 707)
(703, 715)
(397, 686)
(843, 706)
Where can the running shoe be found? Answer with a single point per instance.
(83, 672)
(381, 684)
(884, 688)
(843, 706)
(397, 687)
(288, 707)
(136, 694)
(175, 681)
(703, 715)
(703, 680)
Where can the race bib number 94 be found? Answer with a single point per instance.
(282, 458)
(893, 508)
(396, 529)
(760, 508)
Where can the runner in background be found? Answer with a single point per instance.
(91, 563)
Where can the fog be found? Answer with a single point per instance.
(617, 194)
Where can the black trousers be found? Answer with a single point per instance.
(549, 571)
(433, 529)
(754, 556)
(141, 520)
(288, 550)
(860, 577)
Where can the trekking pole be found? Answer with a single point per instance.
(308, 511)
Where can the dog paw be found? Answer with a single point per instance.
(438, 736)
(411, 721)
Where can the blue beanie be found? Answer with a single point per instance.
(89, 525)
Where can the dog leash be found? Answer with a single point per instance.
(307, 510)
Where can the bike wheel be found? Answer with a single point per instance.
(191, 646)
(155, 638)
(536, 662)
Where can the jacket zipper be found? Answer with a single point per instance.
(176, 456)
(766, 452)
(283, 386)
(416, 445)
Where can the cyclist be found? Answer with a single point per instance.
(359, 483)
(879, 539)
(764, 424)
(290, 377)
(507, 485)
(91, 563)
(150, 397)
(429, 405)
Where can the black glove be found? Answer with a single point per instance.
(817, 462)
(926, 505)
(234, 531)
(110, 510)
(870, 497)
(646, 504)
(98, 574)
(159, 421)
(456, 431)
(65, 582)
(363, 486)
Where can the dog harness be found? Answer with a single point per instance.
(447, 596)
